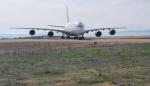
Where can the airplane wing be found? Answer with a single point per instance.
(56, 26)
(96, 29)
(56, 30)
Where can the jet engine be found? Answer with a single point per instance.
(112, 32)
(98, 34)
(32, 32)
(50, 34)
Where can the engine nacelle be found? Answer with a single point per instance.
(32, 32)
(50, 34)
(112, 32)
(98, 34)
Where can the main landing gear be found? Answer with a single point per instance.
(79, 38)
(67, 37)
(76, 37)
(63, 37)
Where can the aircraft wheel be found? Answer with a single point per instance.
(81, 38)
(68, 37)
(76, 37)
(62, 37)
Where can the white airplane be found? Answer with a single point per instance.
(75, 29)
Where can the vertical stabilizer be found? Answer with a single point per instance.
(67, 14)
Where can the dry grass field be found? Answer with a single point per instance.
(34, 44)
(97, 62)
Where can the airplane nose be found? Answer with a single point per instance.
(79, 24)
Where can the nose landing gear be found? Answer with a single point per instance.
(76, 37)
(68, 37)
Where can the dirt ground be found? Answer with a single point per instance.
(34, 44)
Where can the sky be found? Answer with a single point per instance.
(133, 14)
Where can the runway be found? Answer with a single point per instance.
(34, 44)
(104, 40)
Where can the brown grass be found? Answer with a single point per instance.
(29, 44)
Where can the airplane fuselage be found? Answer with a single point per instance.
(75, 28)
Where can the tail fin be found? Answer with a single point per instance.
(67, 14)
